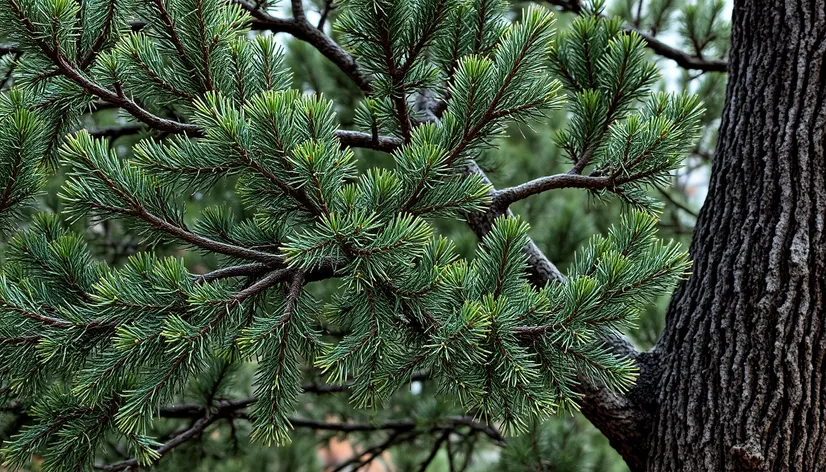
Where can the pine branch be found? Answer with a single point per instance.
(135, 209)
(204, 52)
(173, 34)
(304, 31)
(682, 58)
(407, 302)
(98, 44)
(542, 269)
(113, 97)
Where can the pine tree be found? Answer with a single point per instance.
(331, 268)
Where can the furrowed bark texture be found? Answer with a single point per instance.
(742, 384)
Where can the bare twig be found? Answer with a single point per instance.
(193, 432)
(510, 195)
(115, 132)
(435, 449)
(364, 140)
(674, 201)
(325, 12)
(450, 458)
(237, 406)
(264, 283)
(402, 430)
(359, 460)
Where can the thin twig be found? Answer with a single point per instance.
(237, 406)
(115, 132)
(10, 72)
(243, 270)
(402, 430)
(328, 7)
(193, 432)
(435, 450)
(359, 460)
(674, 201)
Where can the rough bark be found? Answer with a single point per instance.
(626, 419)
(742, 385)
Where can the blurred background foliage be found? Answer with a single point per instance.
(561, 221)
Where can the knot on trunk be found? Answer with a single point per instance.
(750, 456)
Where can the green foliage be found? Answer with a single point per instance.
(22, 155)
(98, 352)
(606, 74)
(557, 446)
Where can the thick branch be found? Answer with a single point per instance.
(626, 419)
(503, 198)
(510, 195)
(365, 140)
(264, 283)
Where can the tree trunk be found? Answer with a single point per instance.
(742, 385)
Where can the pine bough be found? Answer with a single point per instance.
(94, 350)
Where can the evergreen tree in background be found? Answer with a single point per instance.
(286, 246)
